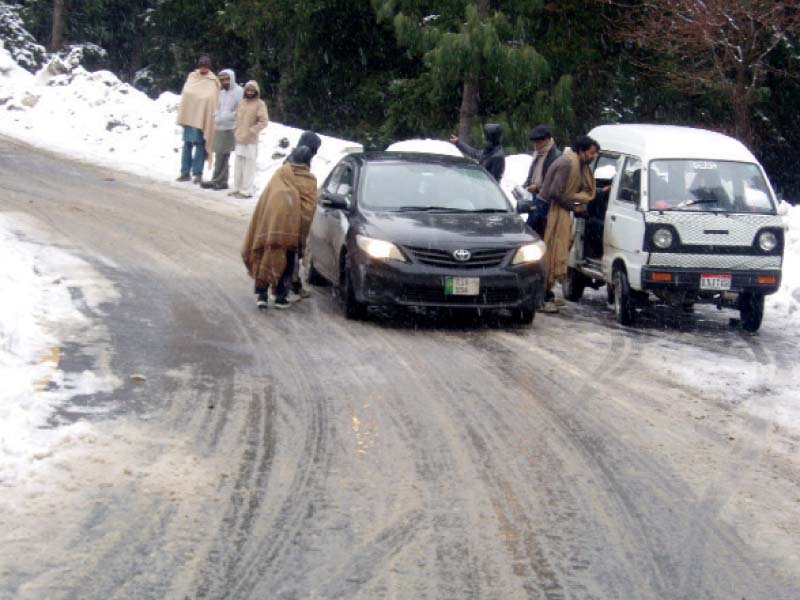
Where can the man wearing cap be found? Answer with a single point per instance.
(545, 152)
(224, 121)
(196, 115)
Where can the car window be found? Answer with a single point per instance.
(630, 183)
(708, 185)
(344, 185)
(408, 185)
(333, 182)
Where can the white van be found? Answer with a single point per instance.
(690, 217)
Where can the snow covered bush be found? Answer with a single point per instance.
(18, 41)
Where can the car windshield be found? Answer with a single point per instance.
(399, 187)
(708, 185)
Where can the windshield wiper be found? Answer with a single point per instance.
(428, 208)
(490, 210)
(696, 201)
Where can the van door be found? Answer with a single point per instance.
(624, 225)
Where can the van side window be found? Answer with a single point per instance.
(630, 183)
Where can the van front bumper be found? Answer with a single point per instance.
(764, 281)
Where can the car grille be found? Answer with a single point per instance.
(424, 295)
(482, 258)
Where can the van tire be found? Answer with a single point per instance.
(624, 301)
(573, 285)
(751, 310)
(609, 293)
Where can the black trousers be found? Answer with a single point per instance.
(285, 281)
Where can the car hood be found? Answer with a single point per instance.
(436, 229)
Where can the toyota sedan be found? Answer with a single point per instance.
(422, 230)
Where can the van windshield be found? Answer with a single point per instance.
(708, 186)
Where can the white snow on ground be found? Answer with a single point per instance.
(97, 118)
(34, 322)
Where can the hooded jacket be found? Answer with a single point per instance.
(225, 115)
(251, 117)
(492, 157)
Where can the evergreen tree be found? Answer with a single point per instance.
(487, 53)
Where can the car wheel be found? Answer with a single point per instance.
(314, 277)
(609, 292)
(624, 302)
(751, 310)
(525, 314)
(353, 309)
(573, 285)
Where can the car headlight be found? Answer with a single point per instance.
(529, 253)
(380, 249)
(767, 241)
(663, 238)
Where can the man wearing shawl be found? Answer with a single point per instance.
(196, 115)
(308, 208)
(569, 186)
(545, 152)
(274, 235)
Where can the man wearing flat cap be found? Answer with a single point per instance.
(545, 152)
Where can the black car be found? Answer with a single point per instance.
(423, 230)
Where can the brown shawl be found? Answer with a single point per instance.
(275, 226)
(198, 103)
(567, 182)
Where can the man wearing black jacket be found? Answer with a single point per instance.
(492, 157)
(545, 152)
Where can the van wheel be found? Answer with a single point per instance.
(751, 310)
(573, 285)
(624, 302)
(314, 277)
(353, 309)
(609, 293)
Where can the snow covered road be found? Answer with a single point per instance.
(299, 455)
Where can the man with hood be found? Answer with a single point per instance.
(274, 235)
(492, 157)
(196, 116)
(569, 186)
(251, 118)
(545, 152)
(224, 121)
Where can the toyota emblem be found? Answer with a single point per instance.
(462, 255)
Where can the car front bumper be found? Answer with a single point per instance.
(764, 281)
(410, 284)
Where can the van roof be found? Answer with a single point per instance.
(650, 142)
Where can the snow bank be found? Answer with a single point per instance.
(783, 308)
(33, 321)
(97, 118)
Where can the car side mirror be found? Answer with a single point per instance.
(524, 206)
(334, 201)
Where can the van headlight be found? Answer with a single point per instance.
(529, 253)
(767, 241)
(663, 238)
(380, 249)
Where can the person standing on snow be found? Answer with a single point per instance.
(273, 236)
(251, 118)
(492, 157)
(224, 121)
(569, 186)
(308, 204)
(196, 116)
(545, 152)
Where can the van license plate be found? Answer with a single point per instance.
(716, 281)
(462, 286)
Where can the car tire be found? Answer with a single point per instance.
(609, 293)
(751, 310)
(353, 309)
(314, 277)
(525, 314)
(573, 285)
(624, 301)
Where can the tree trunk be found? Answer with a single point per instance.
(137, 46)
(471, 93)
(741, 110)
(469, 107)
(60, 9)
